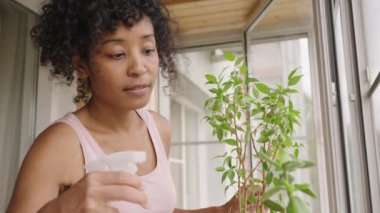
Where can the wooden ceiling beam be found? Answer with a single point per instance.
(257, 12)
(199, 4)
(197, 11)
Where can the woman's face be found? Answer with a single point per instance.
(124, 65)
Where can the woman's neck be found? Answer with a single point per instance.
(106, 118)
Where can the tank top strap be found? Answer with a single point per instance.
(90, 147)
(154, 133)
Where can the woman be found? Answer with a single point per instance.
(116, 48)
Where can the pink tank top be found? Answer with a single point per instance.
(158, 184)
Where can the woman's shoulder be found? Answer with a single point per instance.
(159, 119)
(57, 136)
(56, 150)
(52, 161)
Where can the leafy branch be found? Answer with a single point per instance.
(249, 115)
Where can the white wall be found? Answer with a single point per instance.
(54, 99)
(31, 4)
(195, 65)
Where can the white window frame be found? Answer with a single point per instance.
(367, 88)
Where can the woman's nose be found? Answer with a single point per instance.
(136, 65)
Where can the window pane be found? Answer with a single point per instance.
(371, 15)
(193, 147)
(376, 105)
(371, 19)
(355, 158)
(197, 183)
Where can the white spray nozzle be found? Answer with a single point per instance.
(119, 161)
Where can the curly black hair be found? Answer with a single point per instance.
(66, 27)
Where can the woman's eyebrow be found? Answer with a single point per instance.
(121, 40)
(148, 36)
(113, 40)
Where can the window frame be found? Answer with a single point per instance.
(367, 88)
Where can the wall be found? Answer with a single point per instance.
(17, 93)
(30, 4)
(54, 99)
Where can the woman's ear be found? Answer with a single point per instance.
(80, 66)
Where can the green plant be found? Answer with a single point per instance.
(257, 120)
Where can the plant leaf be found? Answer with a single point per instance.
(255, 93)
(220, 169)
(269, 178)
(274, 206)
(307, 164)
(292, 73)
(244, 70)
(231, 142)
(251, 199)
(211, 78)
(269, 193)
(297, 205)
(294, 80)
(292, 165)
(263, 139)
(224, 176)
(263, 88)
(231, 175)
(219, 133)
(296, 152)
(255, 180)
(267, 158)
(283, 155)
(305, 188)
(228, 161)
(213, 90)
(229, 55)
(291, 90)
(239, 60)
(227, 86)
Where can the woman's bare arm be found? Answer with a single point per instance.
(50, 162)
(55, 159)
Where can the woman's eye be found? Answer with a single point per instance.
(118, 55)
(148, 51)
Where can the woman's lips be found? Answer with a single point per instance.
(138, 90)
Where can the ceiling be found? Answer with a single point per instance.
(203, 22)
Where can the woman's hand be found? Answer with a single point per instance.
(95, 190)
(232, 206)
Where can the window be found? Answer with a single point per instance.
(193, 148)
(367, 32)
(280, 41)
(271, 62)
(372, 45)
(277, 44)
(340, 126)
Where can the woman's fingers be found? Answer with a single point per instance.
(111, 210)
(117, 192)
(115, 186)
(115, 178)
